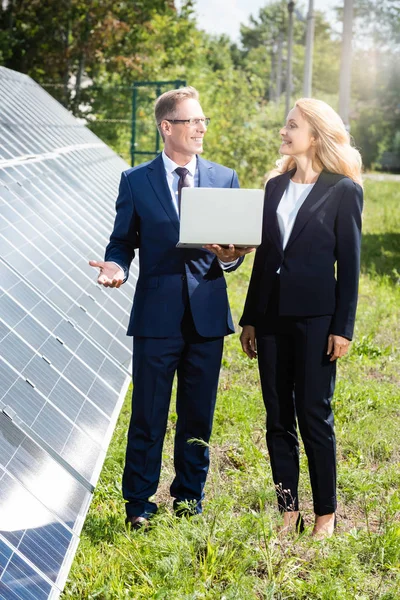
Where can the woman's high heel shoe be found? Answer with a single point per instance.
(323, 532)
(300, 524)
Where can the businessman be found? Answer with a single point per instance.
(180, 311)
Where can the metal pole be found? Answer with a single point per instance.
(289, 58)
(272, 91)
(133, 137)
(157, 148)
(307, 84)
(345, 64)
(279, 67)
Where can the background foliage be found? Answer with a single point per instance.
(88, 52)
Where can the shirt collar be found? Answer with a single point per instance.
(170, 165)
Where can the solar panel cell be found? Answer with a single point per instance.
(31, 529)
(40, 474)
(20, 582)
(21, 396)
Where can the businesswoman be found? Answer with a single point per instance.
(300, 308)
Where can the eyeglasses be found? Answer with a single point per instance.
(191, 122)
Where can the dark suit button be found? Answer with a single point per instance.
(183, 277)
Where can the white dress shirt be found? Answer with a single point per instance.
(290, 204)
(172, 177)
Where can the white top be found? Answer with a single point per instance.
(173, 178)
(290, 204)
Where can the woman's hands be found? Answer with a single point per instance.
(338, 346)
(248, 341)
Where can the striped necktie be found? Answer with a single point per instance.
(183, 182)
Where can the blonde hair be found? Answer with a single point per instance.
(333, 150)
(166, 104)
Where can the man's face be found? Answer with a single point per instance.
(183, 138)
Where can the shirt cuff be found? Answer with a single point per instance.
(227, 265)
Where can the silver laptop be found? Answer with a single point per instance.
(220, 216)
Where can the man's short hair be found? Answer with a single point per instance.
(166, 104)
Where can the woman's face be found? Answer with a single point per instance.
(297, 139)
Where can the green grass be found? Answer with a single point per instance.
(232, 551)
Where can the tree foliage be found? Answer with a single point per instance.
(376, 79)
(89, 52)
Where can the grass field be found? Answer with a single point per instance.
(233, 551)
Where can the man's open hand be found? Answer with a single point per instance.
(110, 274)
(228, 254)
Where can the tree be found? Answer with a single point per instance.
(376, 79)
(264, 41)
(61, 42)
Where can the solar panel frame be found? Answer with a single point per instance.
(64, 334)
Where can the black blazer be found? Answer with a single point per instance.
(326, 234)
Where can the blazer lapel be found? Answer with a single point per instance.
(206, 173)
(158, 181)
(271, 225)
(314, 200)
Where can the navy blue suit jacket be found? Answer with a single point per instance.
(319, 268)
(169, 277)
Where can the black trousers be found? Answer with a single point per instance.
(298, 381)
(197, 362)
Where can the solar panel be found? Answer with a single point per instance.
(64, 357)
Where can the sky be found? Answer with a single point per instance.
(225, 16)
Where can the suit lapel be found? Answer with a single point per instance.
(206, 173)
(271, 204)
(158, 181)
(314, 200)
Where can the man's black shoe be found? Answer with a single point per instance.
(136, 522)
